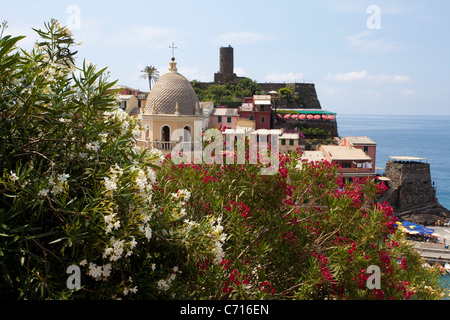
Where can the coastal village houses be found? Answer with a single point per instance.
(172, 104)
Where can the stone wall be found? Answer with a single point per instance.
(306, 91)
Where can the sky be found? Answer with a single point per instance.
(364, 57)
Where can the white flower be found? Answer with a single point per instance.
(219, 253)
(43, 193)
(110, 184)
(83, 262)
(136, 131)
(13, 177)
(110, 218)
(103, 137)
(151, 175)
(63, 177)
(148, 233)
(133, 243)
(182, 193)
(133, 290)
(95, 271)
(141, 180)
(153, 266)
(159, 156)
(116, 170)
(106, 270)
(162, 285)
(149, 197)
(57, 189)
(93, 146)
(107, 252)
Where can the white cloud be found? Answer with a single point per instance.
(244, 37)
(364, 76)
(365, 42)
(284, 77)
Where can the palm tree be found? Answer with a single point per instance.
(150, 73)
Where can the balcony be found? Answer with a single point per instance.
(169, 145)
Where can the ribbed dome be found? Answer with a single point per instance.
(170, 89)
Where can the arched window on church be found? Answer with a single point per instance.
(187, 134)
(165, 133)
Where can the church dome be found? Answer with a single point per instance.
(172, 94)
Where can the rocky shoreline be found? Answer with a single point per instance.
(427, 215)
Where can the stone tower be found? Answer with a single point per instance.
(226, 60)
(226, 69)
(411, 193)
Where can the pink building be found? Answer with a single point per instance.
(258, 109)
(364, 143)
(227, 117)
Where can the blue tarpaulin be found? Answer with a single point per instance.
(415, 227)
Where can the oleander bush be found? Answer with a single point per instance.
(74, 190)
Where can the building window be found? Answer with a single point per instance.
(263, 119)
(291, 142)
(139, 103)
(219, 119)
(228, 119)
(346, 165)
(283, 142)
(252, 118)
(165, 134)
(366, 149)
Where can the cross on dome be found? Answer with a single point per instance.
(173, 50)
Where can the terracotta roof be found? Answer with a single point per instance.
(340, 153)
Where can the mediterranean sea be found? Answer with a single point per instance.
(407, 135)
